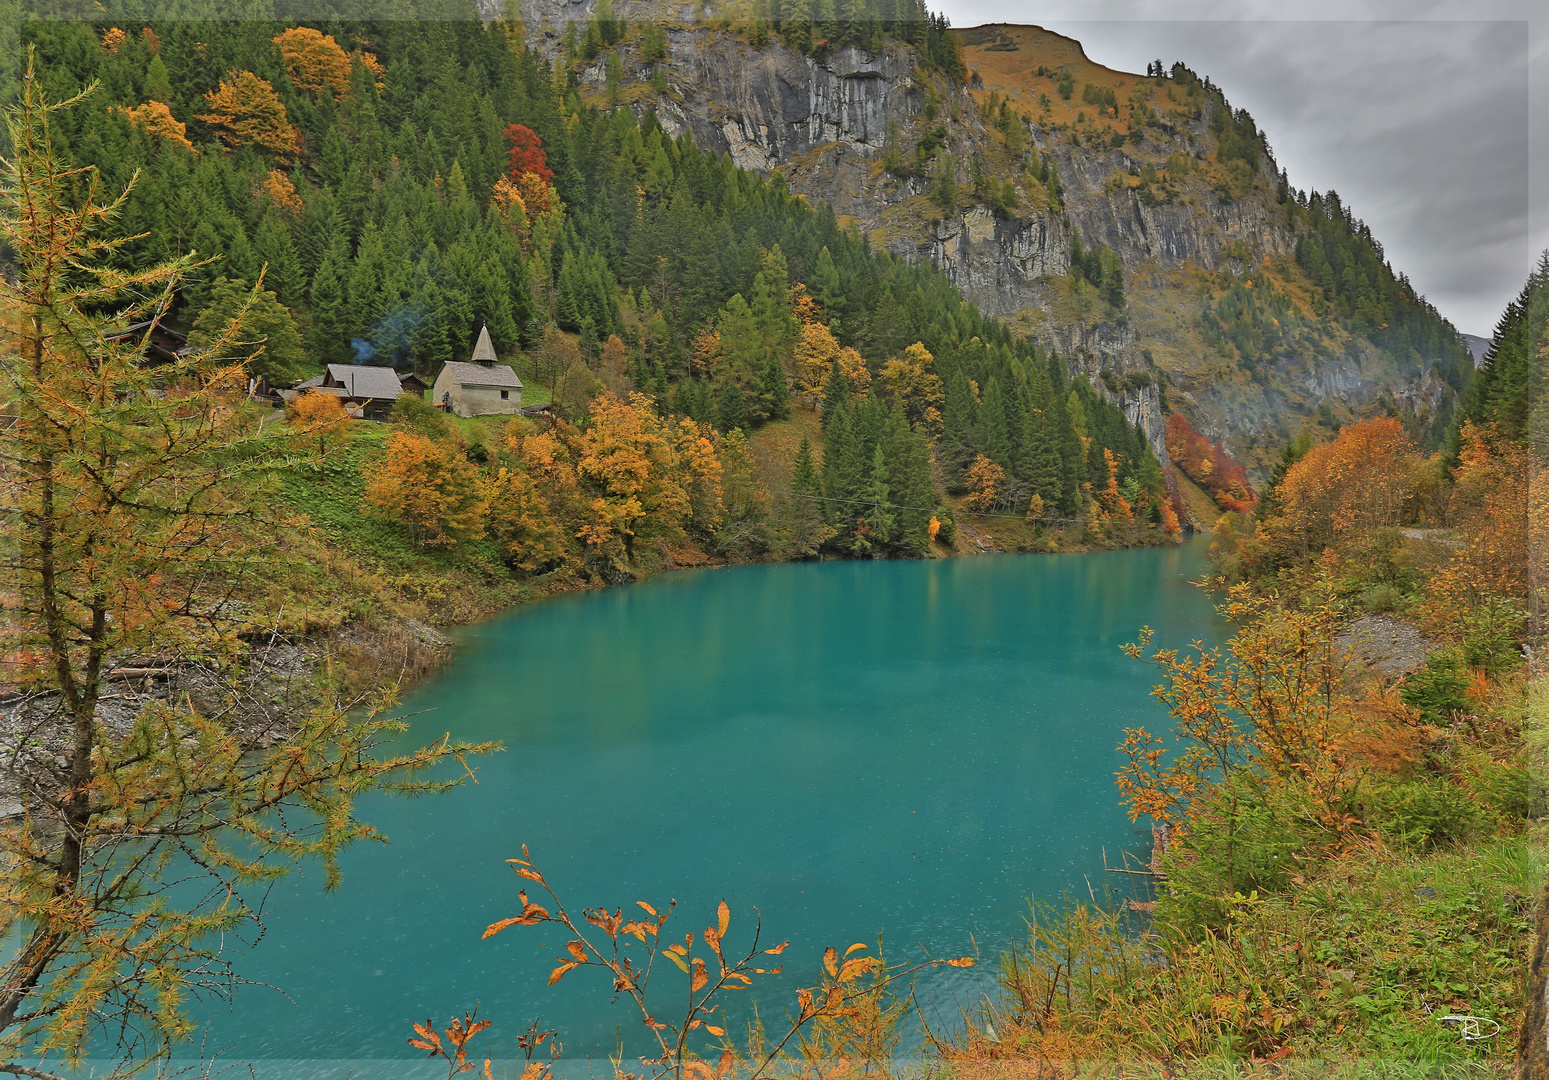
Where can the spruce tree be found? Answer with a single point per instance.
(909, 481)
(285, 275)
(731, 409)
(807, 530)
(836, 392)
(775, 394)
(328, 336)
(875, 532)
(994, 439)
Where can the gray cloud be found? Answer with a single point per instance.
(1418, 114)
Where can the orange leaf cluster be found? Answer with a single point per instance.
(457, 1034)
(154, 118)
(245, 111)
(278, 189)
(112, 38)
(314, 62)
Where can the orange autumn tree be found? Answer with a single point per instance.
(245, 111)
(278, 189)
(314, 62)
(135, 505)
(1111, 503)
(986, 481)
(706, 354)
(320, 414)
(429, 487)
(647, 478)
(522, 521)
(156, 119)
(814, 356)
(1341, 492)
(1490, 512)
(910, 380)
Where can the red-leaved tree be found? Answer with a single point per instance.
(527, 153)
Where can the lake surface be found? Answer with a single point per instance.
(910, 749)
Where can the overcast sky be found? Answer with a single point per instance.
(1416, 111)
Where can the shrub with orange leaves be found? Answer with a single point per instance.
(1275, 702)
(154, 118)
(112, 38)
(245, 111)
(314, 61)
(848, 1015)
(429, 487)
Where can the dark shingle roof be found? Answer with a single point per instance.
(496, 375)
(360, 381)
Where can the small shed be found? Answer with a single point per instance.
(410, 383)
(163, 345)
(368, 392)
(479, 388)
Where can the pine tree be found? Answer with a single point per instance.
(276, 248)
(329, 335)
(731, 408)
(875, 531)
(775, 394)
(836, 392)
(825, 284)
(806, 528)
(841, 473)
(994, 437)
(909, 481)
(1039, 466)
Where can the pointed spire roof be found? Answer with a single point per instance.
(483, 350)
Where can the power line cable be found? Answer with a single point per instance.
(921, 509)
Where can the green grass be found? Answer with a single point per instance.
(374, 561)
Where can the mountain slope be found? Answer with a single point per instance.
(1223, 311)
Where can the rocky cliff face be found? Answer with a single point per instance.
(827, 124)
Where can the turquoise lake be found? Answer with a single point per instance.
(911, 749)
